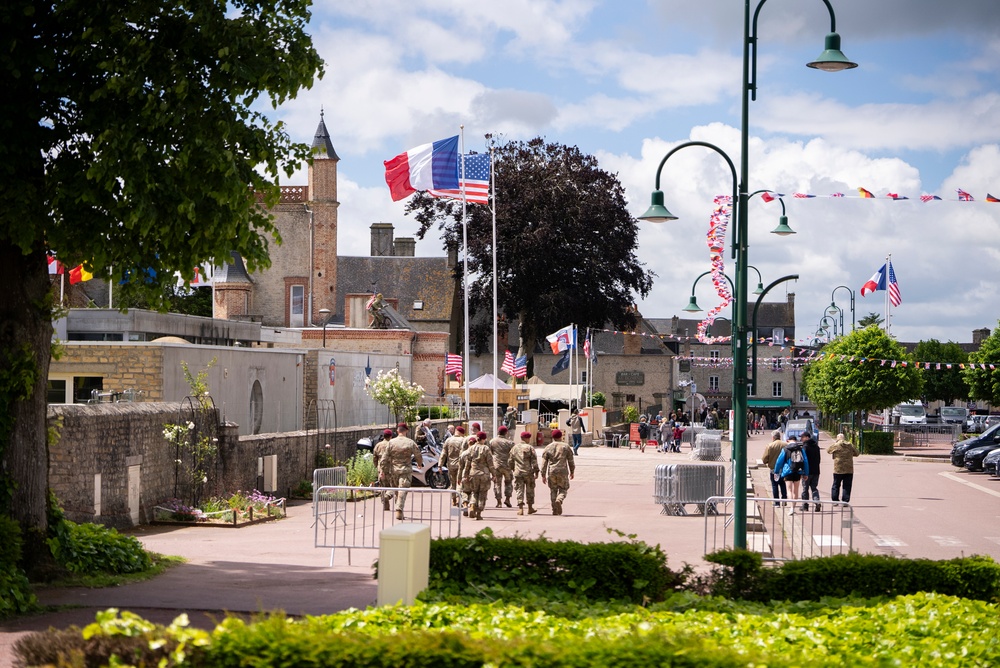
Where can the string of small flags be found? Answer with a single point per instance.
(863, 193)
(927, 366)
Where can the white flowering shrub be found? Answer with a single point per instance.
(400, 395)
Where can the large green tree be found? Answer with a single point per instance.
(942, 384)
(984, 384)
(862, 371)
(130, 144)
(565, 243)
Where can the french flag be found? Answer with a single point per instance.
(875, 283)
(426, 167)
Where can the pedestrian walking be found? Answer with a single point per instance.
(643, 433)
(524, 463)
(666, 435)
(843, 454)
(396, 465)
(450, 451)
(503, 482)
(810, 482)
(678, 434)
(779, 490)
(575, 424)
(791, 466)
(477, 473)
(558, 467)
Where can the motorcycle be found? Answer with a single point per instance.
(429, 475)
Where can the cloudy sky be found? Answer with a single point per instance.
(627, 81)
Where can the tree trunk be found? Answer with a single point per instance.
(527, 336)
(25, 350)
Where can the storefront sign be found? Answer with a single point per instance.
(630, 378)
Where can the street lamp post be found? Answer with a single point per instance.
(753, 328)
(833, 308)
(831, 60)
(325, 312)
(826, 322)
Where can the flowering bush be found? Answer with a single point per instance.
(401, 396)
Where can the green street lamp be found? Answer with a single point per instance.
(831, 60)
(833, 309)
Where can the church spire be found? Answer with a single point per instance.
(322, 146)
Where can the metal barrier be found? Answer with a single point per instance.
(925, 434)
(677, 485)
(708, 446)
(784, 530)
(353, 517)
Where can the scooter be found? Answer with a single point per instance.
(429, 475)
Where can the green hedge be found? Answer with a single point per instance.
(877, 443)
(16, 597)
(433, 412)
(630, 571)
(741, 575)
(87, 549)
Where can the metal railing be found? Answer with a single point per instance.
(353, 517)
(784, 529)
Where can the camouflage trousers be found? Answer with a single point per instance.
(478, 487)
(400, 479)
(505, 480)
(558, 486)
(524, 487)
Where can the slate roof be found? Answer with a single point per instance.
(408, 279)
(234, 271)
(322, 145)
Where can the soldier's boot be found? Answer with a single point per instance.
(499, 505)
(531, 509)
(399, 514)
(520, 509)
(386, 503)
(556, 508)
(507, 502)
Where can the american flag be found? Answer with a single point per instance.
(508, 363)
(964, 196)
(803, 196)
(453, 365)
(929, 198)
(894, 295)
(521, 367)
(477, 180)
(371, 301)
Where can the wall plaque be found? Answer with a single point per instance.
(630, 378)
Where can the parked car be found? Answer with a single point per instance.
(991, 463)
(974, 424)
(974, 456)
(988, 437)
(952, 414)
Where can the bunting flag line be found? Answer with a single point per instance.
(864, 193)
(716, 239)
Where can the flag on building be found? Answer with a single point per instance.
(426, 167)
(521, 367)
(894, 295)
(562, 363)
(78, 275)
(508, 363)
(563, 339)
(865, 193)
(476, 181)
(453, 365)
(964, 196)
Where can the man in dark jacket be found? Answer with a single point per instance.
(810, 483)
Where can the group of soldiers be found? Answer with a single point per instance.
(475, 461)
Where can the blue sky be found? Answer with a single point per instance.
(628, 80)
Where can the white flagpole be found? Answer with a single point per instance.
(110, 285)
(496, 338)
(888, 313)
(62, 287)
(465, 278)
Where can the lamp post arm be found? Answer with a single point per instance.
(851, 293)
(790, 277)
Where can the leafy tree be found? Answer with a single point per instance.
(565, 244)
(984, 384)
(130, 144)
(176, 299)
(871, 319)
(943, 384)
(398, 394)
(850, 377)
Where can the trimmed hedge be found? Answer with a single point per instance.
(631, 571)
(878, 443)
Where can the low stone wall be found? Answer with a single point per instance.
(112, 465)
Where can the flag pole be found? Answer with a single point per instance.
(888, 313)
(496, 338)
(465, 278)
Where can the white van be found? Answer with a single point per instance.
(954, 414)
(910, 413)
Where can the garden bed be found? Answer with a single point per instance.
(239, 510)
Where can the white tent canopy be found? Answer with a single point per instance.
(541, 391)
(487, 382)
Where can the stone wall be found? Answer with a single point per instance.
(138, 367)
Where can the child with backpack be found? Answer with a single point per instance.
(792, 464)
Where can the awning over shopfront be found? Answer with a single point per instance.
(769, 403)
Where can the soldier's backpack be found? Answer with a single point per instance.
(796, 460)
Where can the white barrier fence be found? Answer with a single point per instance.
(784, 529)
(352, 517)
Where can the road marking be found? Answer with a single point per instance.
(948, 541)
(888, 541)
(829, 540)
(973, 485)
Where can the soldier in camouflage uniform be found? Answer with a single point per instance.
(450, 451)
(525, 465)
(396, 466)
(477, 473)
(501, 447)
(557, 462)
(378, 452)
(464, 483)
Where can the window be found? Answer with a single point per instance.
(778, 333)
(776, 388)
(750, 392)
(713, 383)
(583, 376)
(776, 364)
(803, 398)
(713, 355)
(57, 391)
(296, 305)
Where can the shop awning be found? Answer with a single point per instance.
(769, 403)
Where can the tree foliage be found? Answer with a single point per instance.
(565, 247)
(947, 385)
(850, 376)
(871, 319)
(398, 394)
(132, 144)
(984, 384)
